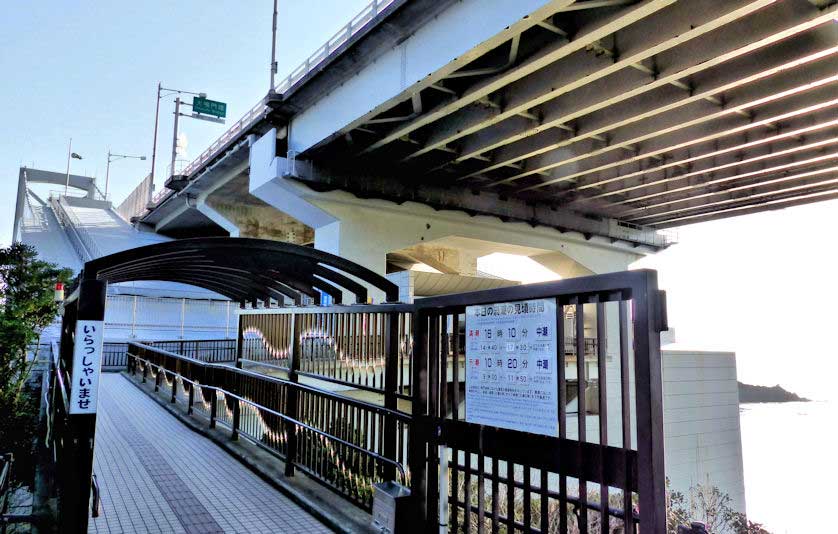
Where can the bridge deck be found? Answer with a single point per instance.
(157, 476)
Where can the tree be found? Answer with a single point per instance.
(26, 306)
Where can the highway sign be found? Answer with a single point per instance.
(209, 107)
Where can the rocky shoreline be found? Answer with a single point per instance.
(749, 393)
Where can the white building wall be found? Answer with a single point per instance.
(702, 438)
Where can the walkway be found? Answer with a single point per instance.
(158, 476)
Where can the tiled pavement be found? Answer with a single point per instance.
(157, 476)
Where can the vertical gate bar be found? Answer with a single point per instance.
(417, 443)
(455, 415)
(561, 372)
(191, 407)
(544, 496)
(649, 404)
(434, 349)
(625, 399)
(174, 389)
(213, 408)
(390, 387)
(510, 496)
(527, 488)
(467, 493)
(481, 493)
(495, 489)
(582, 413)
(602, 383)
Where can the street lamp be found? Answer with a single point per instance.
(160, 95)
(116, 157)
(70, 155)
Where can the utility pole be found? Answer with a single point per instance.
(154, 149)
(273, 51)
(174, 137)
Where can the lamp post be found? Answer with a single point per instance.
(160, 95)
(116, 157)
(70, 155)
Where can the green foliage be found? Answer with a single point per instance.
(26, 306)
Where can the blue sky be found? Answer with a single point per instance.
(89, 70)
(762, 285)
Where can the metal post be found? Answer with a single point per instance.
(69, 153)
(174, 389)
(273, 50)
(81, 429)
(391, 376)
(292, 397)
(190, 409)
(213, 408)
(236, 418)
(174, 137)
(134, 317)
(182, 314)
(107, 174)
(154, 149)
(227, 324)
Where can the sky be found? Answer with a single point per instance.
(763, 285)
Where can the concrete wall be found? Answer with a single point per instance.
(701, 421)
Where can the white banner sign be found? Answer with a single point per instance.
(511, 376)
(87, 363)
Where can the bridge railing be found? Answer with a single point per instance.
(81, 240)
(369, 12)
(353, 346)
(346, 444)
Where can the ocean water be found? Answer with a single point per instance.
(790, 455)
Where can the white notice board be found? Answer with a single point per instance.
(511, 376)
(87, 364)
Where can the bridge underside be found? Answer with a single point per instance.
(654, 113)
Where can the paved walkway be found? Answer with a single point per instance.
(157, 476)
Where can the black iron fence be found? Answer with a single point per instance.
(346, 444)
(601, 471)
(205, 350)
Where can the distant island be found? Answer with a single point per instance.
(749, 393)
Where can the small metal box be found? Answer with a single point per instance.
(390, 504)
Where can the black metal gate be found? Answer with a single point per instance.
(500, 480)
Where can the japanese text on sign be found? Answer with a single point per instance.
(87, 362)
(511, 378)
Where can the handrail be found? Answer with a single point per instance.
(280, 415)
(304, 387)
(86, 247)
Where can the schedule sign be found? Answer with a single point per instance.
(87, 363)
(511, 376)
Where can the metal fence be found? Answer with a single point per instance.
(136, 202)
(344, 345)
(346, 444)
(603, 471)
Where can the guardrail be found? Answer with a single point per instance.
(369, 12)
(345, 444)
(82, 242)
(344, 34)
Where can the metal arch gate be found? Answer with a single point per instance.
(499, 480)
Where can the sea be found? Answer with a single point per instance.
(790, 453)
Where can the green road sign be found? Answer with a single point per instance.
(209, 107)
